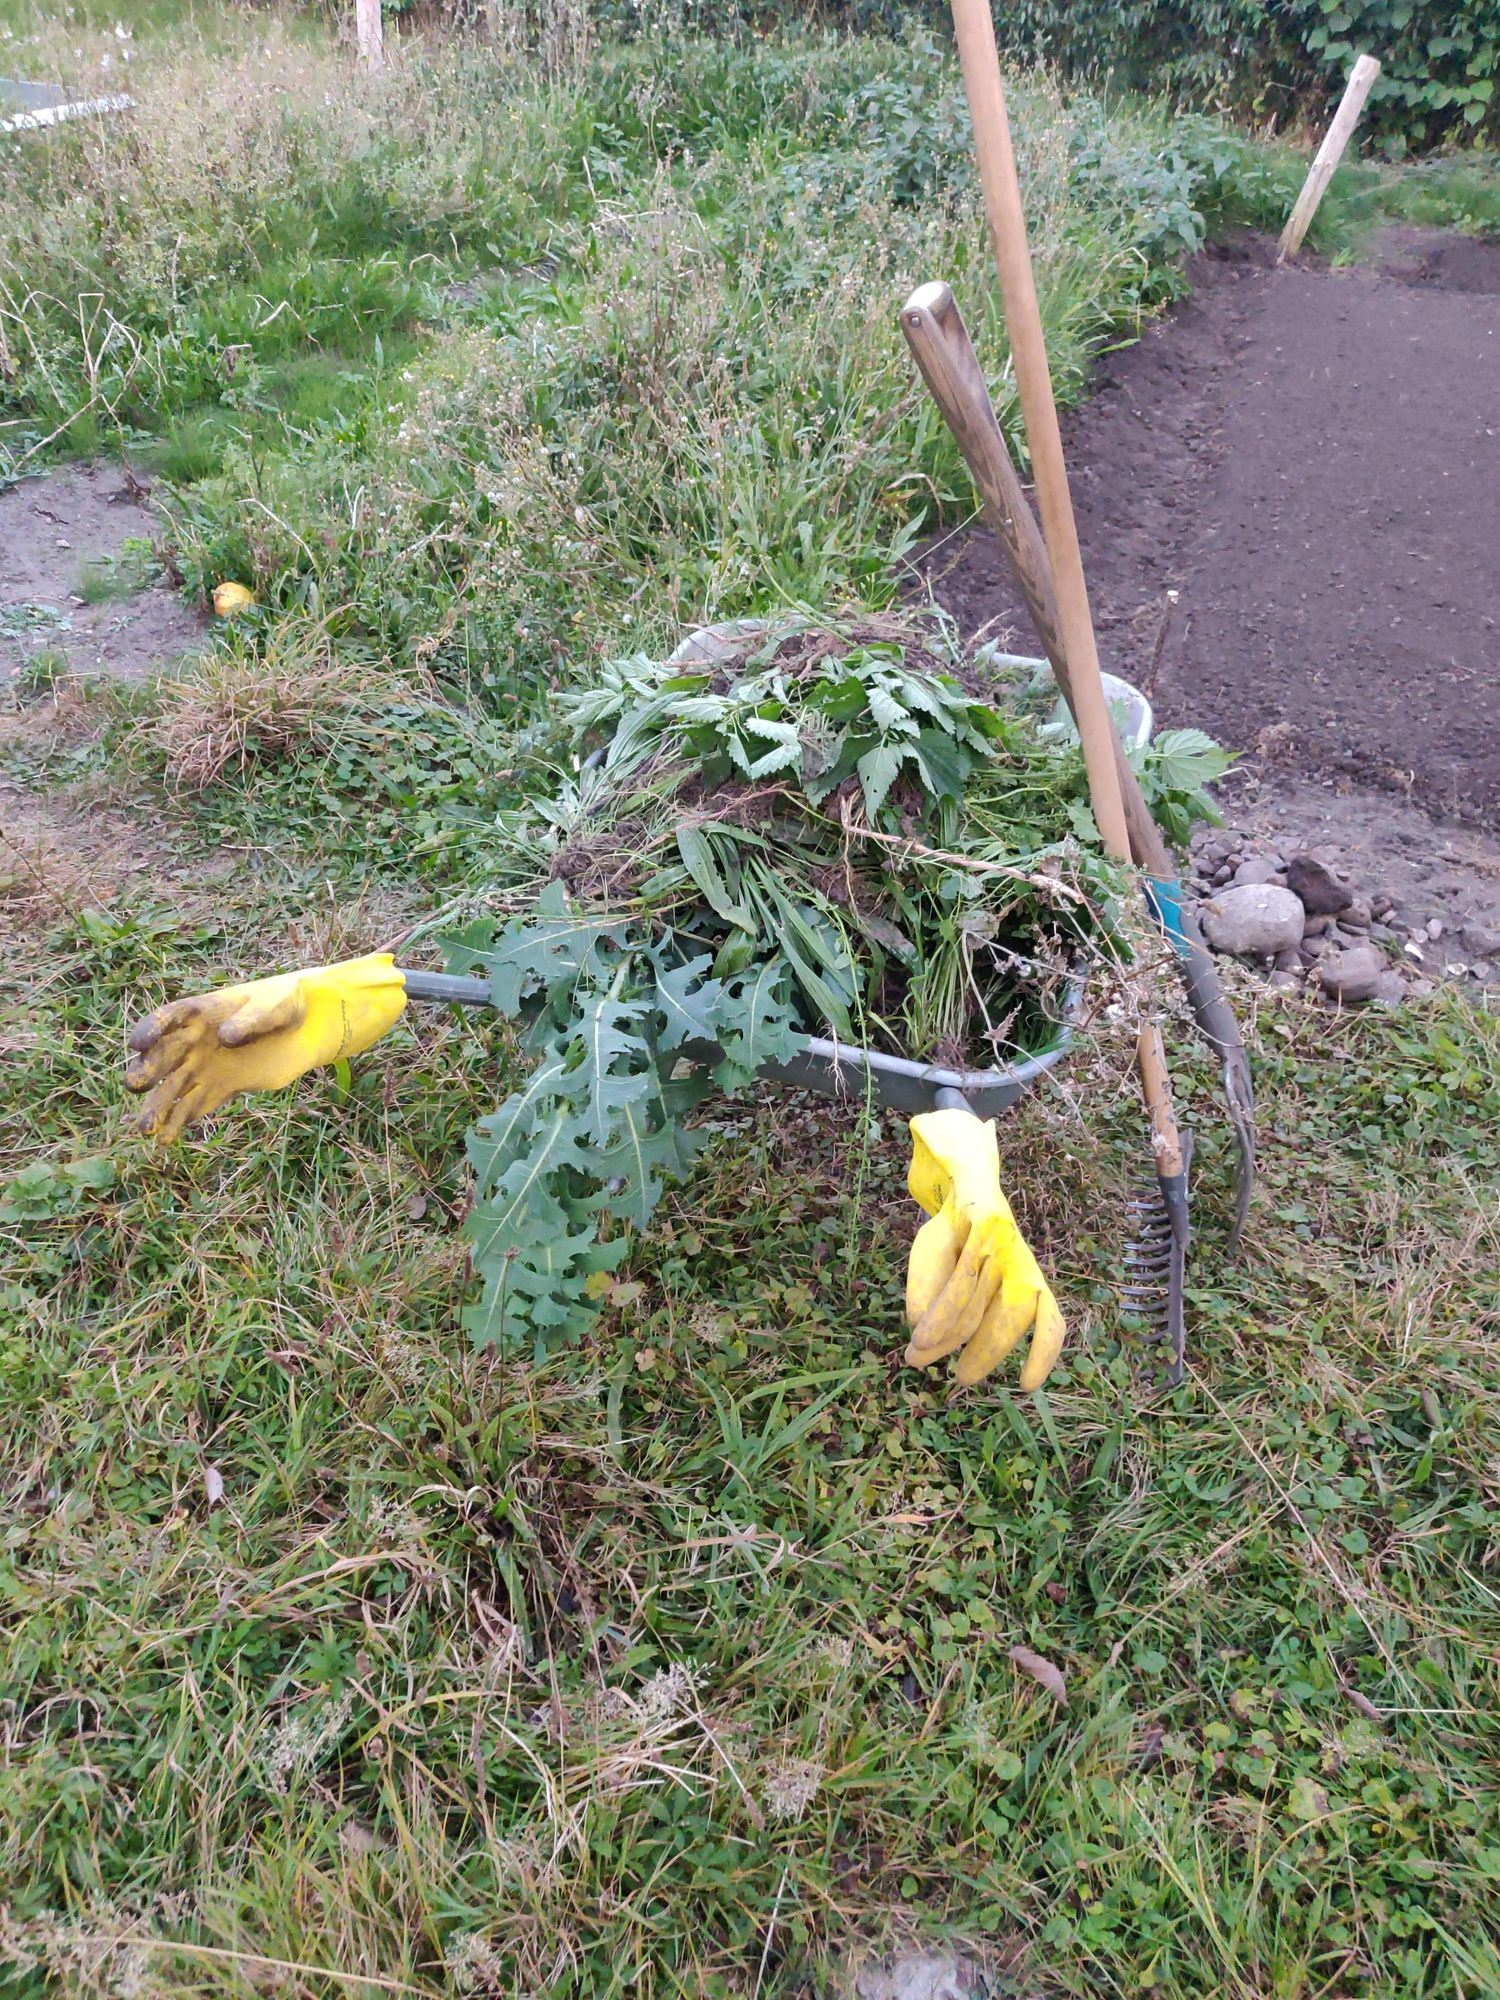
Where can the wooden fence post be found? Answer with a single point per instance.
(368, 33)
(1364, 73)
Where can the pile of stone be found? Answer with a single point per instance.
(1301, 917)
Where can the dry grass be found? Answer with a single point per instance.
(242, 704)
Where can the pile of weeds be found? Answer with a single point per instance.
(792, 832)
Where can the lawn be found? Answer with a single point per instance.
(344, 1659)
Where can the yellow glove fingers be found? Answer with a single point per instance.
(156, 1027)
(1011, 1312)
(1046, 1342)
(958, 1310)
(170, 1106)
(185, 1109)
(260, 1016)
(174, 1043)
(940, 1329)
(934, 1255)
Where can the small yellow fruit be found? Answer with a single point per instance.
(231, 597)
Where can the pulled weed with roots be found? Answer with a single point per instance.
(814, 830)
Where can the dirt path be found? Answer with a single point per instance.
(1311, 460)
(76, 530)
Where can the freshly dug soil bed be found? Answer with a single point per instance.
(1310, 458)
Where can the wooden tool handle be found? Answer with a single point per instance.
(940, 345)
(944, 354)
(974, 31)
(980, 60)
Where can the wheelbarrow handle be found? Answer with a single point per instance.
(457, 988)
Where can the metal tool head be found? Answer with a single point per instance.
(1152, 1289)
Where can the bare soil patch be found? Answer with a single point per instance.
(55, 530)
(1310, 459)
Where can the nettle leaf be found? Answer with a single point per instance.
(878, 770)
(785, 753)
(887, 711)
(1184, 760)
(930, 697)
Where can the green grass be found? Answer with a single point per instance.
(575, 1677)
(340, 1660)
(132, 568)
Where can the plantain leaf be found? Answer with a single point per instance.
(698, 858)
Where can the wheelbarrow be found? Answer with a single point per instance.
(836, 1069)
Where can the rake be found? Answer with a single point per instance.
(1049, 569)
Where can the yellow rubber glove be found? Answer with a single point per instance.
(193, 1054)
(971, 1281)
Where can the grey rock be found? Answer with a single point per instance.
(1259, 868)
(1285, 982)
(1315, 926)
(1384, 932)
(1381, 906)
(1482, 940)
(1352, 975)
(1390, 990)
(1358, 917)
(1222, 874)
(1482, 970)
(1434, 928)
(1290, 959)
(1313, 883)
(1254, 920)
(1419, 989)
(1312, 949)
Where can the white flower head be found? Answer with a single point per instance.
(668, 1692)
(792, 1786)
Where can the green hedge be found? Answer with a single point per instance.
(1439, 58)
(1268, 59)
